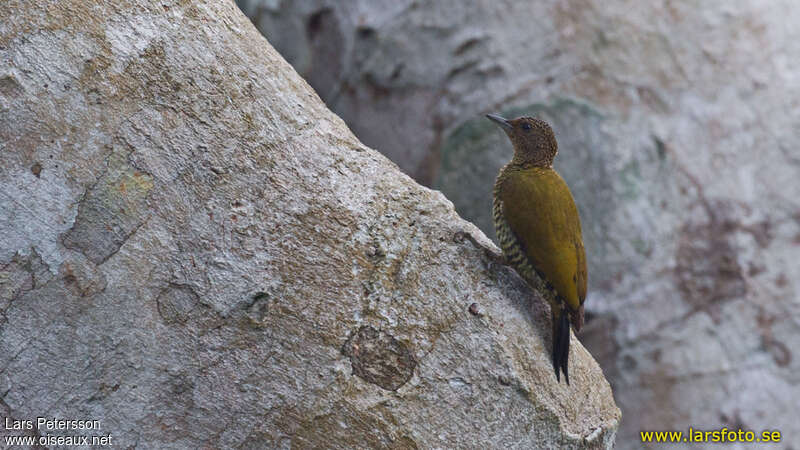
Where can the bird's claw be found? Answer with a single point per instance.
(497, 258)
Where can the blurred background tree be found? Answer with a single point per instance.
(678, 124)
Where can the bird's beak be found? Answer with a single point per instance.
(500, 121)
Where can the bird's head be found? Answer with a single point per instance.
(533, 140)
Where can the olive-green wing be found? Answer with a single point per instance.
(540, 210)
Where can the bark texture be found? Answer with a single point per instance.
(196, 252)
(677, 123)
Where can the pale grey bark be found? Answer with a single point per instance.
(196, 252)
(678, 128)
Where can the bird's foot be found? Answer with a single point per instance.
(496, 257)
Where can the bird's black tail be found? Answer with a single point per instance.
(561, 343)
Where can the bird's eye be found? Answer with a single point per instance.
(526, 126)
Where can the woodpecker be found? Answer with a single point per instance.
(539, 229)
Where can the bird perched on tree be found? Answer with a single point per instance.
(537, 223)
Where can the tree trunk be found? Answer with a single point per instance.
(195, 252)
